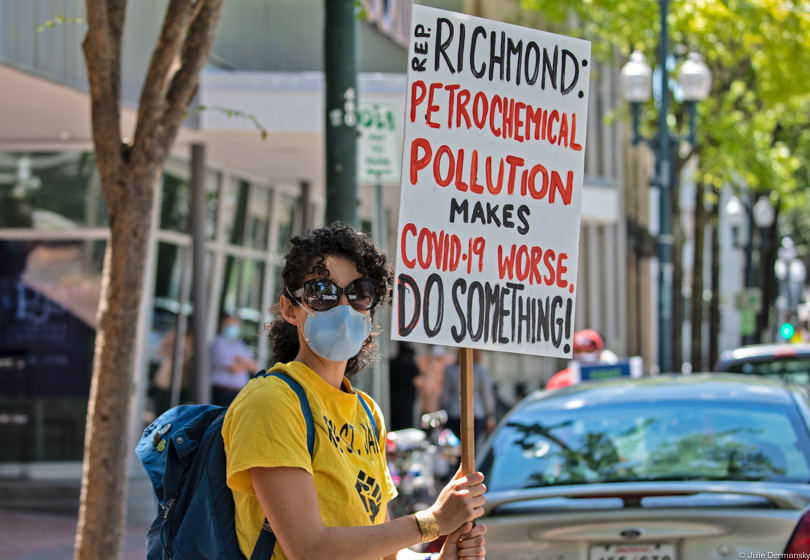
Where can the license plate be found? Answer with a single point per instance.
(639, 551)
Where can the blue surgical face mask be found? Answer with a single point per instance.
(336, 334)
(231, 332)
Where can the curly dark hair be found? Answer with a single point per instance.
(306, 256)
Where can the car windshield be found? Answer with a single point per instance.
(795, 370)
(538, 446)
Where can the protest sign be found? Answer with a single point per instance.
(491, 188)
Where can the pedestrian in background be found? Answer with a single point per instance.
(232, 362)
(333, 503)
(483, 395)
(403, 373)
(431, 377)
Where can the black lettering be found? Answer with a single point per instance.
(456, 208)
(460, 61)
(433, 279)
(419, 31)
(493, 59)
(459, 284)
(418, 65)
(492, 214)
(523, 212)
(501, 316)
(567, 89)
(556, 331)
(524, 318)
(552, 68)
(476, 32)
(491, 294)
(569, 307)
(531, 46)
(403, 283)
(543, 316)
(478, 213)
(441, 47)
(515, 289)
(534, 320)
(507, 216)
(512, 48)
(420, 48)
(477, 331)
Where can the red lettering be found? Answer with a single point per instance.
(574, 145)
(561, 269)
(480, 119)
(506, 264)
(519, 107)
(490, 187)
(549, 260)
(536, 118)
(474, 186)
(460, 185)
(463, 99)
(555, 116)
(556, 185)
(495, 101)
(513, 163)
(418, 163)
(522, 264)
(417, 98)
(452, 89)
(563, 131)
(534, 192)
(424, 239)
(431, 108)
(437, 164)
(455, 252)
(408, 228)
(537, 256)
(508, 117)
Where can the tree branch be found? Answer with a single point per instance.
(102, 48)
(153, 95)
(183, 88)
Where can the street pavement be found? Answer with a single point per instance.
(40, 536)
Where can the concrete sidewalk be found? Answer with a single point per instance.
(39, 536)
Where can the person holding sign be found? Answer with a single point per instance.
(332, 503)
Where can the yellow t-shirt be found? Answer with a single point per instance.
(264, 427)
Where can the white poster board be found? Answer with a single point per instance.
(491, 190)
(378, 148)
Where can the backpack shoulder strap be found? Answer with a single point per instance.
(371, 418)
(303, 401)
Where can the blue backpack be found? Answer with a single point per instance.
(184, 455)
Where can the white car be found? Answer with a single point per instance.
(688, 467)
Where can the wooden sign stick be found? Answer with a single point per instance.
(465, 366)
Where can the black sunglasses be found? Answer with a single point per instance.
(321, 294)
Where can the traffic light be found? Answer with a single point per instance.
(787, 330)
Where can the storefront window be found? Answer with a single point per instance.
(175, 208)
(49, 294)
(258, 218)
(235, 208)
(54, 191)
(286, 219)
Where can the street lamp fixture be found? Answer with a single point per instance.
(694, 81)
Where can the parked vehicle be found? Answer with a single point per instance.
(790, 362)
(672, 466)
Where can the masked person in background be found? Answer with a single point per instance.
(589, 348)
(333, 503)
(232, 362)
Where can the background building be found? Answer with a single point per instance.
(265, 75)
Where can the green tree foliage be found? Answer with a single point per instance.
(753, 128)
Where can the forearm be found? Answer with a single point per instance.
(388, 540)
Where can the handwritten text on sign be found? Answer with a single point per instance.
(491, 187)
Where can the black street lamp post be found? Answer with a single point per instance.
(694, 80)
